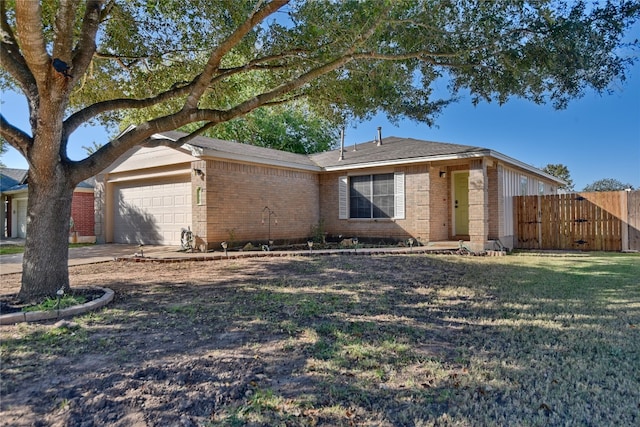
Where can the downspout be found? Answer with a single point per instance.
(341, 144)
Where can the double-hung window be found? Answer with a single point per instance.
(372, 196)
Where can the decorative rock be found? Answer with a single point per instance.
(66, 324)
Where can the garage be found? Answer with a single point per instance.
(151, 212)
(21, 218)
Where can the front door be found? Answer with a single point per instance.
(461, 203)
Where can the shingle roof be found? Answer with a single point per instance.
(235, 149)
(16, 179)
(10, 178)
(392, 148)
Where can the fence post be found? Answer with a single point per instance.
(539, 221)
(624, 217)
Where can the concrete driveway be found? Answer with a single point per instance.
(92, 254)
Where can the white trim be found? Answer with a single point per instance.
(398, 193)
(343, 197)
(525, 166)
(149, 175)
(215, 154)
(409, 161)
(473, 155)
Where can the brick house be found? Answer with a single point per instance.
(14, 196)
(392, 189)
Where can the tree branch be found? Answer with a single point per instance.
(86, 47)
(63, 29)
(11, 59)
(32, 43)
(202, 81)
(86, 114)
(15, 137)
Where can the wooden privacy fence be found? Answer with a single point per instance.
(598, 221)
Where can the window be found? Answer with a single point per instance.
(524, 186)
(199, 196)
(372, 196)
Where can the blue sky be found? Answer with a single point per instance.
(597, 136)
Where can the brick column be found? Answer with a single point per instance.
(199, 179)
(99, 207)
(478, 205)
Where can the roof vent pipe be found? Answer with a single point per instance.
(379, 136)
(341, 144)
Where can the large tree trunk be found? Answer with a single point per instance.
(45, 264)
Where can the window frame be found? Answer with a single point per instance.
(398, 199)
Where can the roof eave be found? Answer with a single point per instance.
(522, 165)
(411, 160)
(205, 153)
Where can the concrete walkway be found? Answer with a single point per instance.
(120, 252)
(93, 254)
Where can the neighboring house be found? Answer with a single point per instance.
(391, 189)
(14, 196)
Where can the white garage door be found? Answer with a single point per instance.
(152, 213)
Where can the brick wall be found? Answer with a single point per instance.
(234, 198)
(494, 202)
(83, 213)
(416, 221)
(478, 206)
(439, 204)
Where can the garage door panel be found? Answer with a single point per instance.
(151, 213)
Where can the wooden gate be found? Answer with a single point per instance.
(585, 221)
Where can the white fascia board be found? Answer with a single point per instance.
(409, 161)
(16, 192)
(476, 154)
(138, 176)
(215, 154)
(522, 165)
(185, 148)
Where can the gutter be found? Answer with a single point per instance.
(471, 155)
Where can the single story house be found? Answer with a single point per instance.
(14, 196)
(390, 188)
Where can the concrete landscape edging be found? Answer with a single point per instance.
(34, 316)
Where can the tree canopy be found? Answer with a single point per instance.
(292, 127)
(560, 171)
(607, 184)
(168, 64)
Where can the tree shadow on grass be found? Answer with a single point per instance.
(392, 340)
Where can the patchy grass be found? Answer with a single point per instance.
(342, 340)
(18, 249)
(54, 304)
(11, 249)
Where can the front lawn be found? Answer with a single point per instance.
(18, 249)
(394, 340)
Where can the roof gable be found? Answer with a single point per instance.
(218, 148)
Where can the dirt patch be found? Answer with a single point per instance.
(336, 340)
